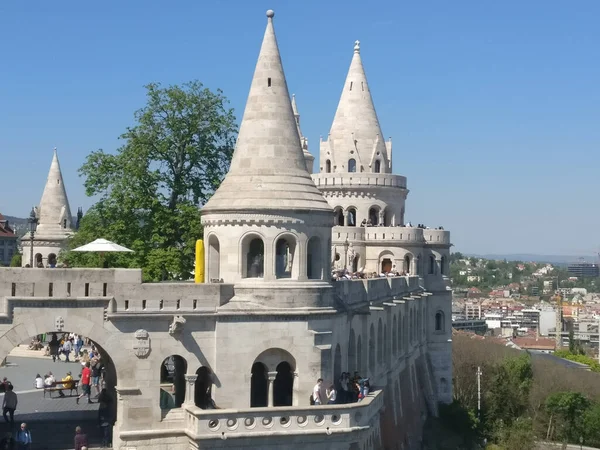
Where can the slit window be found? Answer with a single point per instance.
(68, 289)
(126, 305)
(13, 288)
(87, 289)
(144, 304)
(195, 303)
(362, 85)
(104, 289)
(50, 289)
(269, 82)
(160, 305)
(351, 85)
(178, 304)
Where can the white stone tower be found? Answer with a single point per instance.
(54, 220)
(268, 228)
(310, 159)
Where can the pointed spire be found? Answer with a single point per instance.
(355, 125)
(54, 213)
(268, 170)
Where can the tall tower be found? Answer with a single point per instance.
(267, 228)
(54, 220)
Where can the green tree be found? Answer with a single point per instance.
(591, 425)
(567, 409)
(518, 435)
(16, 260)
(150, 191)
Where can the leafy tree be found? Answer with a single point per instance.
(150, 191)
(16, 260)
(591, 425)
(518, 436)
(567, 409)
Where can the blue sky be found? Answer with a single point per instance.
(493, 107)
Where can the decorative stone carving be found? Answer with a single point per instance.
(59, 323)
(141, 347)
(177, 325)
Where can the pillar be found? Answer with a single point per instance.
(345, 219)
(271, 379)
(190, 391)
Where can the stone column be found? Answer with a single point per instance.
(271, 379)
(190, 391)
(346, 214)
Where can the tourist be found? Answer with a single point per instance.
(97, 368)
(331, 395)
(78, 344)
(49, 380)
(317, 392)
(39, 382)
(66, 349)
(23, 438)
(67, 383)
(9, 404)
(54, 346)
(81, 440)
(86, 375)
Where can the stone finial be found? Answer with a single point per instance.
(270, 13)
(356, 46)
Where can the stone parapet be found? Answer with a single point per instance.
(400, 235)
(375, 289)
(358, 180)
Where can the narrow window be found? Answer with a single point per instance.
(362, 85)
(144, 304)
(50, 289)
(178, 304)
(126, 305)
(68, 289)
(269, 82)
(104, 289)
(160, 305)
(87, 289)
(351, 85)
(328, 166)
(377, 166)
(13, 289)
(65, 223)
(195, 303)
(351, 165)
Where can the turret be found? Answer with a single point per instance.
(310, 159)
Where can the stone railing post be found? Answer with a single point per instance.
(190, 391)
(271, 379)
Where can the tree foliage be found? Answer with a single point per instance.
(16, 260)
(150, 190)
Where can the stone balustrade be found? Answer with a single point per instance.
(433, 236)
(327, 419)
(358, 180)
(400, 235)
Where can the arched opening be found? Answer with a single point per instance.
(373, 216)
(284, 257)
(352, 364)
(337, 363)
(386, 265)
(339, 216)
(443, 265)
(38, 260)
(407, 263)
(439, 321)
(203, 389)
(351, 165)
(314, 266)
(380, 342)
(52, 260)
(431, 265)
(254, 250)
(372, 349)
(359, 359)
(351, 217)
(283, 385)
(172, 382)
(377, 166)
(214, 258)
(394, 336)
(355, 262)
(328, 166)
(259, 386)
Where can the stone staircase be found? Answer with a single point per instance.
(58, 435)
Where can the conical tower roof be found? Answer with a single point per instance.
(355, 124)
(54, 206)
(268, 170)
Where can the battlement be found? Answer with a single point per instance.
(401, 235)
(363, 180)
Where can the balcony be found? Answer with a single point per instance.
(354, 180)
(261, 422)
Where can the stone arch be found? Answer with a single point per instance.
(38, 260)
(338, 212)
(408, 262)
(253, 255)
(285, 255)
(328, 166)
(394, 335)
(352, 360)
(351, 216)
(280, 376)
(214, 258)
(439, 321)
(351, 165)
(337, 363)
(203, 388)
(372, 360)
(431, 265)
(314, 259)
(283, 385)
(172, 382)
(259, 385)
(380, 342)
(374, 215)
(386, 261)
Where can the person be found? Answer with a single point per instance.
(78, 344)
(39, 382)
(49, 380)
(66, 349)
(9, 404)
(67, 383)
(97, 368)
(331, 395)
(81, 440)
(317, 392)
(54, 345)
(86, 375)
(23, 438)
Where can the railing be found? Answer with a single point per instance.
(408, 235)
(328, 419)
(358, 179)
(433, 236)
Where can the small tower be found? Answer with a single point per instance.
(310, 159)
(54, 220)
(267, 228)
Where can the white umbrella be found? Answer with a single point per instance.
(101, 246)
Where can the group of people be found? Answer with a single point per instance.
(347, 390)
(345, 274)
(22, 440)
(67, 344)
